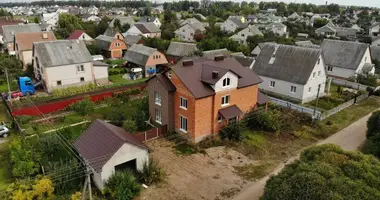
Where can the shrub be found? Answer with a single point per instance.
(83, 107)
(370, 80)
(151, 173)
(116, 117)
(24, 160)
(231, 132)
(264, 121)
(28, 189)
(129, 125)
(122, 186)
(372, 145)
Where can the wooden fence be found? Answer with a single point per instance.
(151, 134)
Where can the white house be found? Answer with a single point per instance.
(292, 72)
(233, 23)
(374, 30)
(242, 35)
(148, 29)
(154, 20)
(72, 66)
(346, 59)
(187, 31)
(50, 18)
(108, 149)
(277, 28)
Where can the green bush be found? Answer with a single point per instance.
(74, 90)
(23, 158)
(264, 121)
(83, 107)
(122, 186)
(151, 173)
(370, 80)
(129, 125)
(116, 117)
(372, 145)
(231, 132)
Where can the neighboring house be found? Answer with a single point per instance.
(123, 20)
(145, 57)
(50, 18)
(256, 51)
(100, 72)
(294, 16)
(251, 18)
(233, 23)
(80, 35)
(46, 27)
(242, 35)
(90, 18)
(198, 97)
(376, 40)
(148, 29)
(345, 59)
(24, 44)
(9, 32)
(133, 39)
(200, 16)
(108, 149)
(356, 27)
(277, 28)
(189, 21)
(186, 32)
(112, 47)
(178, 50)
(152, 19)
(292, 72)
(216, 52)
(374, 30)
(327, 30)
(245, 61)
(331, 30)
(6, 21)
(72, 66)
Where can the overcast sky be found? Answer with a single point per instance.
(371, 3)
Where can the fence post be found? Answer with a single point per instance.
(145, 136)
(157, 131)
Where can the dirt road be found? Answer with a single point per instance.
(350, 138)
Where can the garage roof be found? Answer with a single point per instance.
(101, 141)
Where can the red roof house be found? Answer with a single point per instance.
(80, 35)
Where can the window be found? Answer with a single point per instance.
(183, 30)
(329, 68)
(157, 98)
(272, 84)
(158, 116)
(242, 35)
(272, 59)
(183, 123)
(59, 82)
(309, 89)
(293, 89)
(169, 75)
(313, 74)
(226, 100)
(319, 73)
(183, 103)
(159, 56)
(83, 37)
(319, 61)
(226, 82)
(81, 79)
(80, 68)
(220, 119)
(28, 83)
(191, 34)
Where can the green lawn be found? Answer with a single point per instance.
(118, 62)
(5, 169)
(118, 78)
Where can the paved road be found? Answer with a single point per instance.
(350, 138)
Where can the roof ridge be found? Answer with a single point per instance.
(107, 125)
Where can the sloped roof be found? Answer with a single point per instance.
(104, 41)
(164, 81)
(294, 16)
(191, 75)
(132, 39)
(6, 21)
(10, 30)
(197, 26)
(97, 63)
(237, 20)
(212, 53)
(301, 43)
(111, 32)
(181, 49)
(75, 34)
(276, 24)
(147, 19)
(375, 52)
(206, 74)
(325, 29)
(139, 54)
(230, 112)
(343, 54)
(148, 27)
(25, 40)
(101, 141)
(189, 21)
(62, 52)
(246, 61)
(123, 20)
(292, 64)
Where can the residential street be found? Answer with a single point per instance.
(350, 138)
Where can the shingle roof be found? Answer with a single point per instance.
(343, 54)
(139, 54)
(230, 112)
(375, 52)
(104, 41)
(110, 32)
(148, 27)
(246, 61)
(292, 64)
(191, 75)
(62, 52)
(276, 24)
(10, 30)
(75, 34)
(97, 63)
(325, 29)
(25, 40)
(181, 49)
(101, 141)
(237, 20)
(147, 19)
(216, 52)
(197, 26)
(132, 39)
(6, 21)
(123, 20)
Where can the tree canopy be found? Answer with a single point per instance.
(327, 172)
(372, 145)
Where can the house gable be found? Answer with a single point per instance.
(118, 44)
(234, 79)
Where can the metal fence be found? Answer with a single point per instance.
(296, 107)
(349, 84)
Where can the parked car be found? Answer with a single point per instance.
(4, 131)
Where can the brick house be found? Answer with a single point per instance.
(198, 97)
(112, 44)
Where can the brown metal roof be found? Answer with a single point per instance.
(101, 141)
(230, 112)
(25, 41)
(207, 71)
(166, 82)
(191, 76)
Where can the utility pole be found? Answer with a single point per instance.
(89, 185)
(316, 102)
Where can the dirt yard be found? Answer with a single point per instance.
(197, 176)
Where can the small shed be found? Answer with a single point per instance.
(108, 148)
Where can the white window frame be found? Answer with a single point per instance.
(182, 119)
(329, 68)
(157, 98)
(226, 82)
(80, 68)
(226, 100)
(272, 85)
(158, 115)
(183, 103)
(293, 87)
(314, 75)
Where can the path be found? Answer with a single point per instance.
(349, 138)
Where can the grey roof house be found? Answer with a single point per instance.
(148, 29)
(345, 59)
(178, 50)
(123, 20)
(291, 71)
(187, 31)
(233, 23)
(9, 32)
(242, 35)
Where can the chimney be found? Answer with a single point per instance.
(219, 58)
(44, 36)
(215, 74)
(187, 63)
